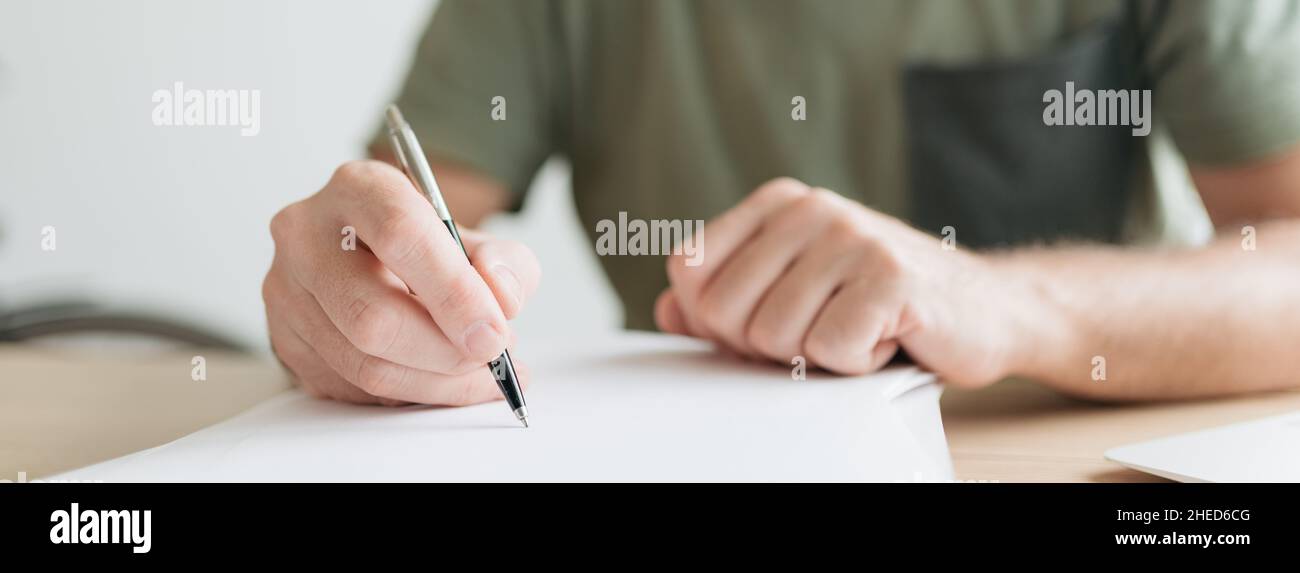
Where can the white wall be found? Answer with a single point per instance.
(174, 219)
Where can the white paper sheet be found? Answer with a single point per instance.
(628, 407)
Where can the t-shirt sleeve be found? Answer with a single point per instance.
(485, 89)
(1226, 76)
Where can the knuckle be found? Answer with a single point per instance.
(820, 349)
(268, 283)
(712, 310)
(366, 179)
(846, 228)
(781, 188)
(821, 198)
(848, 235)
(886, 262)
(354, 171)
(460, 295)
(399, 237)
(270, 290)
(372, 326)
(816, 205)
(285, 221)
(377, 377)
(767, 339)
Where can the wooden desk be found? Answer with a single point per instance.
(61, 409)
(1016, 431)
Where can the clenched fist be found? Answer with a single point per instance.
(798, 271)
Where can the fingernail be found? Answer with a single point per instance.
(507, 279)
(482, 339)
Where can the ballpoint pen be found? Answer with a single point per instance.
(411, 156)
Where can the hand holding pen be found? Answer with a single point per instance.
(401, 316)
(417, 168)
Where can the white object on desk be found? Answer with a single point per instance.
(1257, 451)
(629, 407)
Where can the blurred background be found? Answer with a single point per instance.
(172, 221)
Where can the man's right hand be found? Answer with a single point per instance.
(402, 318)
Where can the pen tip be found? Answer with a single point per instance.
(525, 421)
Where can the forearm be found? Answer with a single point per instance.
(1167, 323)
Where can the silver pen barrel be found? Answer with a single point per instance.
(411, 155)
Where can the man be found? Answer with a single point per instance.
(969, 225)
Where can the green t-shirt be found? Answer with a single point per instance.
(930, 110)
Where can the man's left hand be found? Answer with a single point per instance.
(799, 271)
